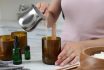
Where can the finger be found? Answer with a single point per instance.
(46, 14)
(62, 54)
(76, 59)
(69, 59)
(64, 51)
(46, 8)
(67, 55)
(43, 7)
(59, 60)
(38, 5)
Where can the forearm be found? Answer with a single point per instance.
(54, 10)
(92, 43)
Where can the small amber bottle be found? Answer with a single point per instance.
(17, 57)
(27, 53)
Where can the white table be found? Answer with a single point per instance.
(37, 65)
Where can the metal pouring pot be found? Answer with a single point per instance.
(30, 18)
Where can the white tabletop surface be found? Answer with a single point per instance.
(36, 64)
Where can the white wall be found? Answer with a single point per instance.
(0, 14)
(9, 8)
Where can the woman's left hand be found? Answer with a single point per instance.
(70, 54)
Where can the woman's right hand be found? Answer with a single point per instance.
(43, 7)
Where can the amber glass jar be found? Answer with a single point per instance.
(22, 36)
(50, 50)
(6, 46)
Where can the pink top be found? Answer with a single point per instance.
(84, 19)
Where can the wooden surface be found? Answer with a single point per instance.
(74, 69)
(79, 68)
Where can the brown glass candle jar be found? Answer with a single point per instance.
(22, 36)
(6, 46)
(50, 50)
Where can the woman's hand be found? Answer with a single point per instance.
(70, 54)
(71, 50)
(51, 12)
(43, 7)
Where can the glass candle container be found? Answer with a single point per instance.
(22, 36)
(6, 46)
(50, 50)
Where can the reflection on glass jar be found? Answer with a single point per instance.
(22, 36)
(50, 49)
(6, 46)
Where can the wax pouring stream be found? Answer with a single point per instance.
(32, 17)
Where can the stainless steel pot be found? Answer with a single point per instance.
(30, 18)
